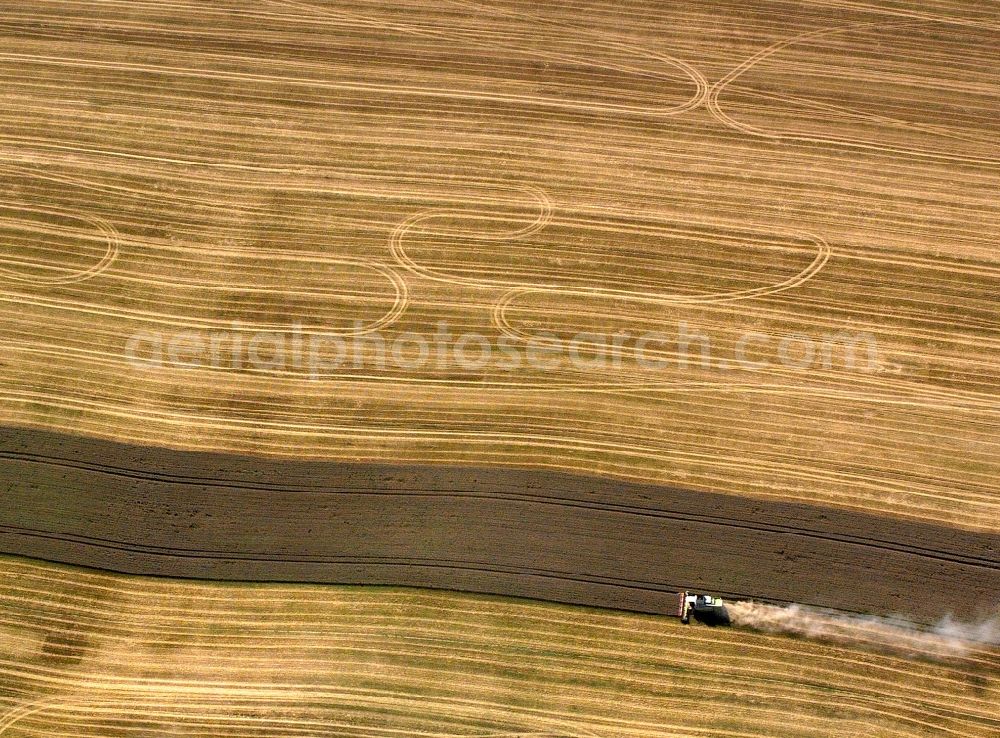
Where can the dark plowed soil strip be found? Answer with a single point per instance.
(534, 534)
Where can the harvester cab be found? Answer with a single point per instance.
(705, 608)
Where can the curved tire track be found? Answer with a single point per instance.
(712, 99)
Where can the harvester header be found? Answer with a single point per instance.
(705, 608)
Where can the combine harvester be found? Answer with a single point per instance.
(705, 608)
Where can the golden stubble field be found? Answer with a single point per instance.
(371, 171)
(366, 172)
(93, 655)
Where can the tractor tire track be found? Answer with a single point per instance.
(536, 498)
(544, 535)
